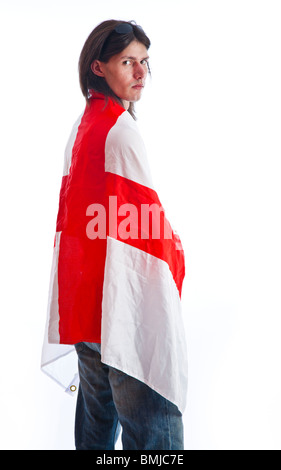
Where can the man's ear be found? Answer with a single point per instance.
(96, 68)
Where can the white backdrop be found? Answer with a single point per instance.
(210, 117)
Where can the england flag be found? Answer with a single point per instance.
(118, 266)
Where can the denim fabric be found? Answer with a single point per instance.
(107, 398)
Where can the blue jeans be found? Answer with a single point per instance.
(107, 398)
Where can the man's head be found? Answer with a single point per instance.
(114, 61)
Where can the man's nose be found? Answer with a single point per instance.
(139, 71)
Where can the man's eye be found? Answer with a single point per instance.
(127, 62)
(144, 62)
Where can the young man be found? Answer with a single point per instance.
(118, 266)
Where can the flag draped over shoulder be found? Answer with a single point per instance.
(118, 267)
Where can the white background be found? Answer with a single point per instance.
(210, 118)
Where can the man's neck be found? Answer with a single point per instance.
(126, 104)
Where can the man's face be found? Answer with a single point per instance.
(125, 73)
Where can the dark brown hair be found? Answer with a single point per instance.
(103, 43)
